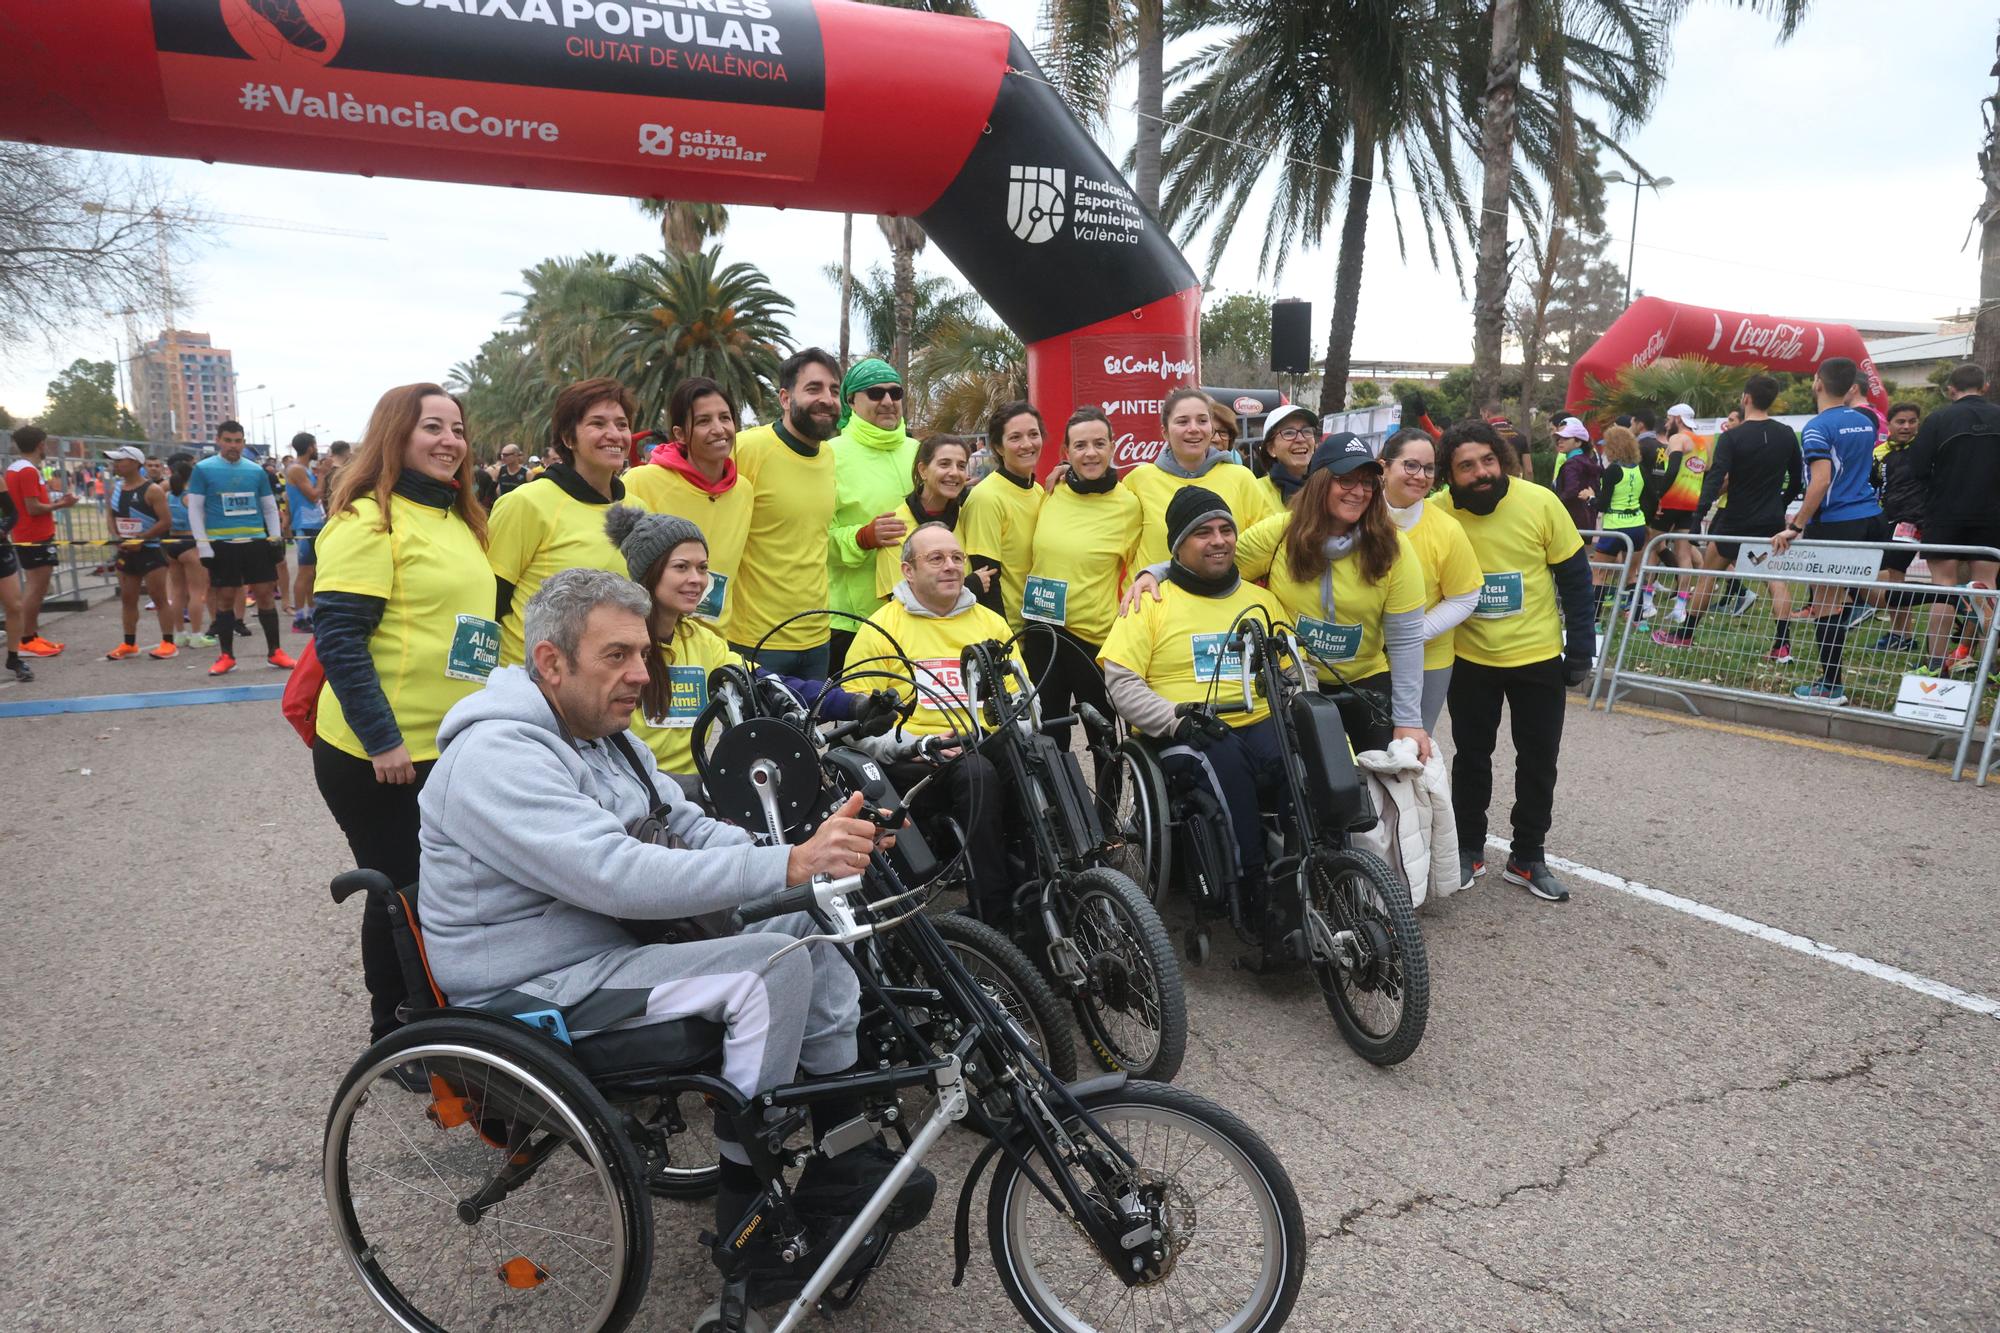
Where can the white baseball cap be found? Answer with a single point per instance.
(1574, 429)
(1681, 410)
(130, 451)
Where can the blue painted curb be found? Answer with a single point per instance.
(118, 703)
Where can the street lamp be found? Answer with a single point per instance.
(1638, 178)
(274, 422)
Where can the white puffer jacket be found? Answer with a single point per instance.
(1417, 834)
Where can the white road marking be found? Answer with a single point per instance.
(1784, 939)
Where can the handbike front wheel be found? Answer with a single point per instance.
(500, 1196)
(1133, 1004)
(1232, 1238)
(1377, 980)
(1012, 982)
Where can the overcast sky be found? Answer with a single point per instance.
(1830, 177)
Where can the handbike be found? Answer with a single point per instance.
(1092, 930)
(1325, 903)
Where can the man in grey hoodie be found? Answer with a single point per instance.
(530, 866)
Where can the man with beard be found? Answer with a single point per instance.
(1514, 650)
(790, 471)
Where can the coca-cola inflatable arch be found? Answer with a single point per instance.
(815, 104)
(1652, 329)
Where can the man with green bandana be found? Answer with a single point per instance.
(873, 462)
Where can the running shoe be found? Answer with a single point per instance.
(302, 622)
(1960, 660)
(1680, 614)
(1673, 638)
(23, 673)
(224, 664)
(1743, 602)
(1819, 692)
(40, 647)
(1470, 868)
(197, 640)
(164, 651)
(1780, 655)
(121, 652)
(1859, 614)
(840, 1187)
(283, 659)
(1648, 610)
(150, 605)
(1534, 876)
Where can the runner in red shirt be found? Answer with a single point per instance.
(34, 535)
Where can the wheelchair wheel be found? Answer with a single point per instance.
(1376, 976)
(1006, 974)
(1133, 1006)
(502, 1195)
(1133, 810)
(1231, 1247)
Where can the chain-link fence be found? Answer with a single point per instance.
(1611, 565)
(1813, 629)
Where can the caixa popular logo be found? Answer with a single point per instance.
(656, 140)
(1037, 202)
(1161, 364)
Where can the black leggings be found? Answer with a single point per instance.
(380, 821)
(1067, 668)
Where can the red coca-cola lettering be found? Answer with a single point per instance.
(1779, 342)
(1129, 451)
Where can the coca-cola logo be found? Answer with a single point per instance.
(1162, 364)
(1650, 353)
(1778, 342)
(1129, 451)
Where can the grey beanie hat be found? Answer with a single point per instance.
(643, 537)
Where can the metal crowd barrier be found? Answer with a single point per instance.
(1986, 755)
(1608, 624)
(1732, 656)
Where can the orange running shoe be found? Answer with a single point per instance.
(121, 652)
(281, 658)
(224, 664)
(164, 651)
(40, 647)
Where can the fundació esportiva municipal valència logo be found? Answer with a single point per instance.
(1036, 202)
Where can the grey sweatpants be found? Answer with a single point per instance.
(1437, 681)
(799, 1013)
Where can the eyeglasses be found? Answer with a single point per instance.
(877, 392)
(1359, 481)
(1295, 432)
(941, 559)
(1416, 469)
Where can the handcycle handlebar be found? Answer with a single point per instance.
(860, 726)
(816, 892)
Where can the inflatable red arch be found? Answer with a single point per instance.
(1652, 329)
(815, 104)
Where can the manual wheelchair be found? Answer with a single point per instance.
(487, 1171)
(1326, 904)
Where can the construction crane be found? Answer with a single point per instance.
(160, 217)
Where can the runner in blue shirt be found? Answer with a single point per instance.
(234, 513)
(1839, 505)
(307, 505)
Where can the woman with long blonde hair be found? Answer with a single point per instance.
(403, 630)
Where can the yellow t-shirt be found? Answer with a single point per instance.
(934, 644)
(1274, 499)
(998, 521)
(1351, 639)
(1085, 547)
(1155, 487)
(1159, 642)
(1518, 622)
(723, 519)
(784, 557)
(1450, 570)
(437, 641)
(537, 530)
(694, 651)
(889, 559)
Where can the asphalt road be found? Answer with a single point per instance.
(1622, 1116)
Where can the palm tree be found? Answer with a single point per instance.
(1708, 387)
(569, 313)
(967, 369)
(685, 227)
(695, 316)
(1615, 48)
(1089, 42)
(1313, 83)
(935, 301)
(905, 239)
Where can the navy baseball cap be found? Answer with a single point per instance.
(1341, 453)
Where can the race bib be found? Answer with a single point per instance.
(687, 695)
(1045, 600)
(130, 527)
(1216, 657)
(941, 684)
(475, 649)
(239, 504)
(712, 601)
(1329, 642)
(1499, 597)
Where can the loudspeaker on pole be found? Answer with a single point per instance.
(1291, 337)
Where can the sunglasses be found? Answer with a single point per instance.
(877, 392)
